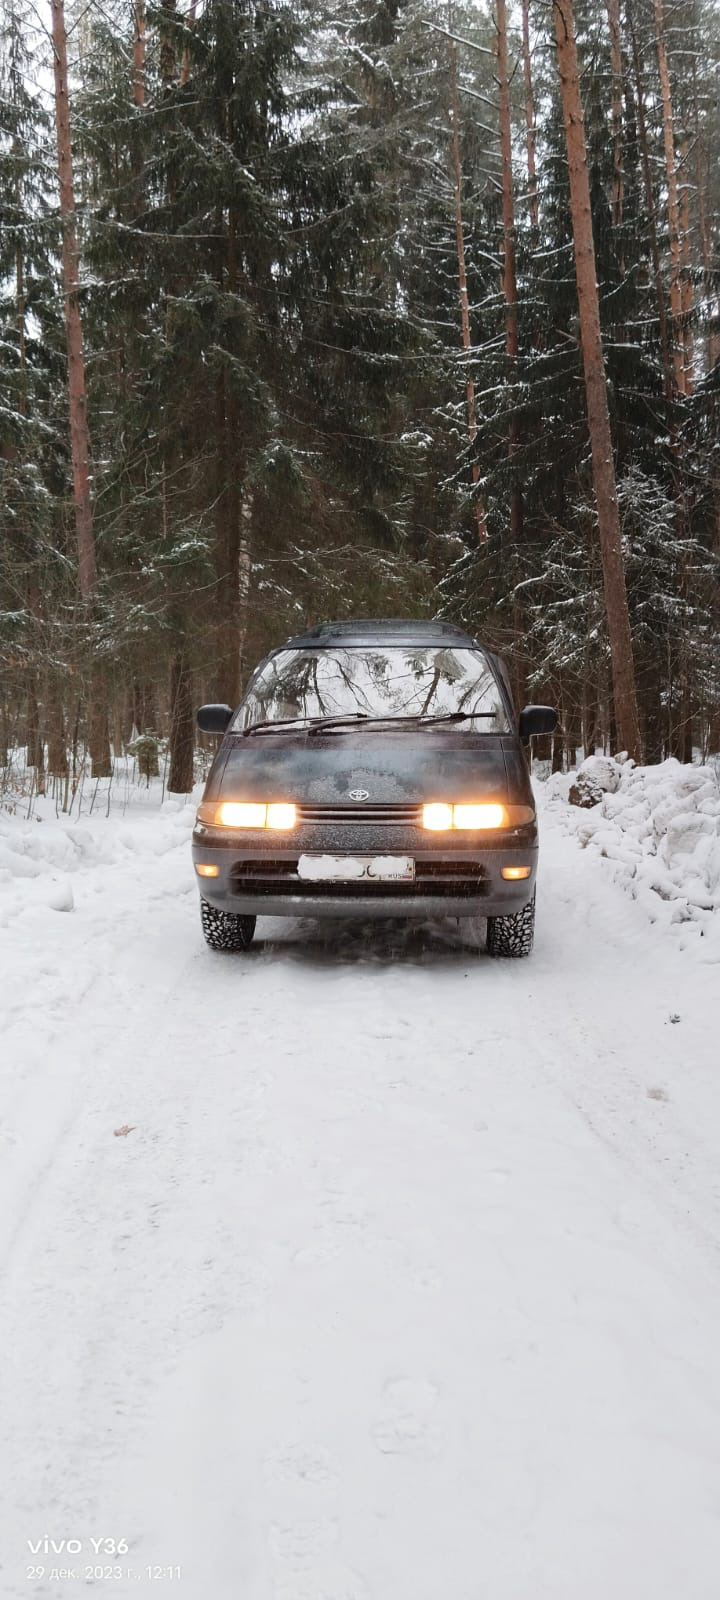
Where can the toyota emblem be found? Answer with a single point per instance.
(359, 794)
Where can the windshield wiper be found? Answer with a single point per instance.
(316, 723)
(389, 724)
(271, 726)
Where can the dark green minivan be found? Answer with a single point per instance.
(372, 768)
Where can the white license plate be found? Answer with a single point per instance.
(352, 869)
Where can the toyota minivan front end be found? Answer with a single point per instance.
(372, 769)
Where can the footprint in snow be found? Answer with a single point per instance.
(294, 1462)
(303, 1544)
(409, 1425)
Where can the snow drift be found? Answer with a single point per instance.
(659, 827)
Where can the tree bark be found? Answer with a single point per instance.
(613, 11)
(168, 59)
(462, 278)
(20, 296)
(181, 726)
(57, 761)
(138, 84)
(672, 199)
(244, 574)
(145, 719)
(529, 118)
(705, 245)
(185, 63)
(509, 276)
(616, 605)
(686, 288)
(98, 730)
(35, 743)
(666, 359)
(79, 435)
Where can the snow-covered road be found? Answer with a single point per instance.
(405, 1284)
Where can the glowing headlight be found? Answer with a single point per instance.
(280, 815)
(248, 814)
(241, 814)
(440, 817)
(485, 816)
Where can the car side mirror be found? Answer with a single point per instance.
(535, 720)
(214, 719)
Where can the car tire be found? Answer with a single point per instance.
(224, 930)
(512, 935)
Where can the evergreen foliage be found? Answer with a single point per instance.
(276, 378)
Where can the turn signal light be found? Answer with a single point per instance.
(248, 814)
(440, 817)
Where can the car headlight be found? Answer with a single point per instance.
(440, 817)
(249, 814)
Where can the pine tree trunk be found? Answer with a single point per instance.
(613, 11)
(117, 727)
(667, 365)
(672, 200)
(686, 288)
(138, 82)
(168, 60)
(185, 63)
(98, 731)
(529, 118)
(79, 433)
(244, 574)
(35, 743)
(181, 726)
(79, 436)
(57, 763)
(509, 277)
(700, 179)
(462, 279)
(618, 621)
(145, 720)
(20, 299)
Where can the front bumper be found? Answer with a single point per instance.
(454, 876)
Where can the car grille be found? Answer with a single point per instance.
(266, 876)
(403, 814)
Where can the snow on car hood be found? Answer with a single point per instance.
(399, 768)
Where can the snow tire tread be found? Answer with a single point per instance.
(512, 935)
(224, 930)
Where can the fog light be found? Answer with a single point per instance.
(437, 817)
(513, 873)
(205, 870)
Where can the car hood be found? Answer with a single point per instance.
(401, 768)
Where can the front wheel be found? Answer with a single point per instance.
(512, 935)
(224, 930)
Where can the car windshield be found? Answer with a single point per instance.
(395, 682)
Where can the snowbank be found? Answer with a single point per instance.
(659, 828)
(40, 846)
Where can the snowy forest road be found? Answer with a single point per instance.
(404, 1284)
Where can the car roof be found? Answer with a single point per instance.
(381, 630)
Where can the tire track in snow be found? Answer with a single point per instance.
(363, 1307)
